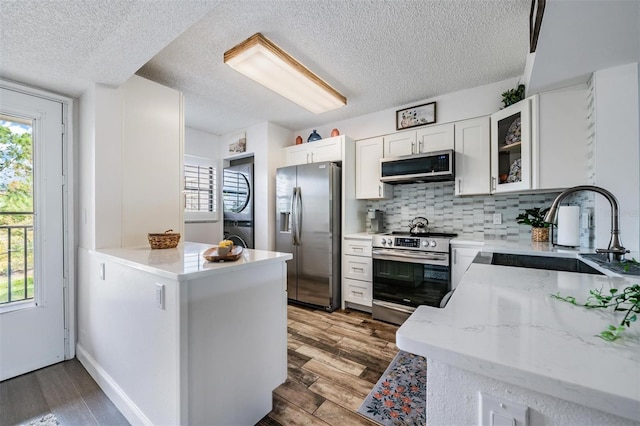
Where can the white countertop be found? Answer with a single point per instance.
(502, 323)
(185, 262)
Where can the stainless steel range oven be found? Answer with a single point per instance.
(409, 271)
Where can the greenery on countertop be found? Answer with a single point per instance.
(534, 217)
(627, 300)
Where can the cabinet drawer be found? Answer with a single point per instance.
(357, 267)
(357, 292)
(357, 247)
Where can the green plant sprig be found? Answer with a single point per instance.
(627, 300)
(534, 217)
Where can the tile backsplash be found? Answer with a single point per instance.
(471, 217)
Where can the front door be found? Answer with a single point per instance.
(32, 327)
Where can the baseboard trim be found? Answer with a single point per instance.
(132, 413)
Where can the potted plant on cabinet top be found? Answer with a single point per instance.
(535, 218)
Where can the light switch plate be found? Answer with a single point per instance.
(497, 218)
(496, 411)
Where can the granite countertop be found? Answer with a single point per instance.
(185, 262)
(501, 322)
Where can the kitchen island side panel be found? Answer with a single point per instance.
(237, 344)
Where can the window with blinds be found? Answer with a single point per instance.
(199, 189)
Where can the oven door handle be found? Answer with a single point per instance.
(416, 258)
(393, 306)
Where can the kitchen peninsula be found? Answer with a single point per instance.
(174, 339)
(501, 335)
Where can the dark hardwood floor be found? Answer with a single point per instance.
(64, 389)
(334, 360)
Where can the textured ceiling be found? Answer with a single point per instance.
(379, 54)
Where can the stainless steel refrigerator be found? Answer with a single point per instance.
(308, 226)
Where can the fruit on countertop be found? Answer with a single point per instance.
(225, 243)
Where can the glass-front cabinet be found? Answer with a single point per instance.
(511, 165)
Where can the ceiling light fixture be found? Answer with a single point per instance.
(262, 61)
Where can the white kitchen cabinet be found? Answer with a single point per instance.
(357, 271)
(473, 162)
(562, 138)
(427, 139)
(402, 143)
(512, 162)
(462, 256)
(368, 185)
(435, 138)
(329, 149)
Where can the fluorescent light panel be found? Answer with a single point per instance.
(264, 62)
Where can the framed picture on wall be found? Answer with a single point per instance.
(418, 115)
(238, 144)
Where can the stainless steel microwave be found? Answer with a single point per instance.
(435, 166)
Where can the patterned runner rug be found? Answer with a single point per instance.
(48, 420)
(400, 396)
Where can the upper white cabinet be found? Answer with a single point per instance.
(435, 138)
(472, 146)
(427, 139)
(562, 137)
(329, 149)
(462, 256)
(368, 155)
(397, 144)
(511, 140)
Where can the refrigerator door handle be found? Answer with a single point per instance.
(298, 218)
(294, 220)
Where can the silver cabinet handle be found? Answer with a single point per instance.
(493, 183)
(312, 156)
(357, 269)
(419, 146)
(357, 248)
(413, 146)
(307, 157)
(357, 292)
(380, 190)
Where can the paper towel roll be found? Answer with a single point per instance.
(569, 226)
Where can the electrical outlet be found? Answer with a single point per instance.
(496, 411)
(497, 218)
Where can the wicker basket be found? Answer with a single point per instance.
(167, 240)
(540, 234)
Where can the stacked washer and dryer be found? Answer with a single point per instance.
(237, 201)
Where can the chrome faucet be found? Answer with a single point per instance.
(615, 251)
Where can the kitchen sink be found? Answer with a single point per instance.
(543, 262)
(626, 267)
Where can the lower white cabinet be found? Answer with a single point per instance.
(461, 257)
(357, 271)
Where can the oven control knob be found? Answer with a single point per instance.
(425, 243)
(389, 241)
(433, 243)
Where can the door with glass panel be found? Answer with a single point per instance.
(32, 264)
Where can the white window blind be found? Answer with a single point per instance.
(200, 189)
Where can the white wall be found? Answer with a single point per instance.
(265, 142)
(203, 144)
(469, 103)
(618, 152)
(86, 168)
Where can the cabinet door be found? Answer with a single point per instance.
(298, 154)
(462, 258)
(326, 150)
(368, 155)
(398, 144)
(562, 137)
(435, 138)
(511, 148)
(473, 162)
